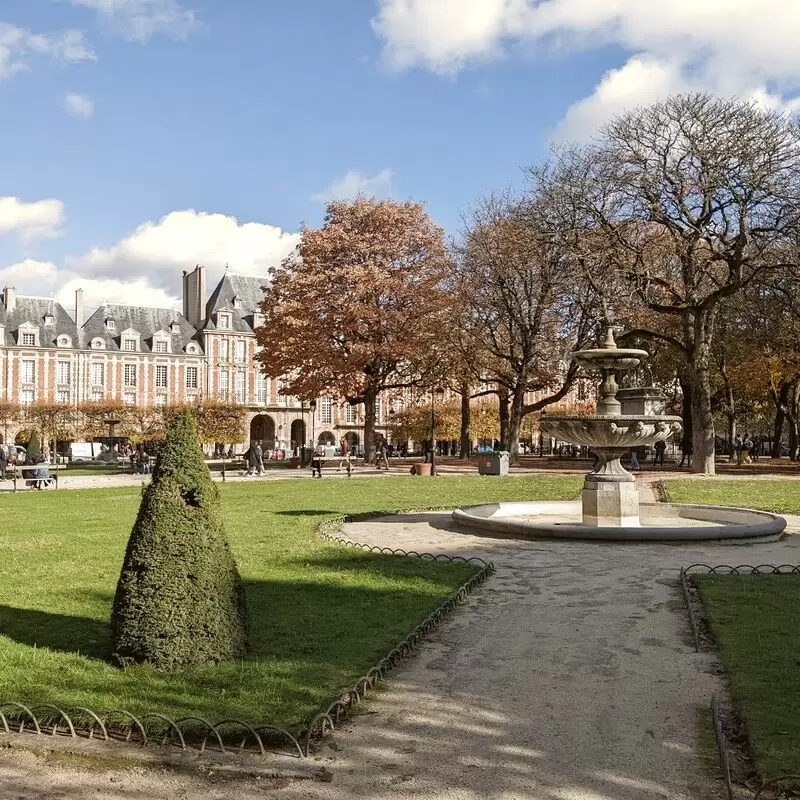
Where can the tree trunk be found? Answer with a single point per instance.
(702, 416)
(514, 425)
(370, 397)
(793, 416)
(502, 399)
(466, 441)
(781, 400)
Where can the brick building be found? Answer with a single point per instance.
(145, 356)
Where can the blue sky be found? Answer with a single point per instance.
(254, 110)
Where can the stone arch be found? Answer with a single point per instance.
(297, 434)
(352, 439)
(262, 429)
(326, 437)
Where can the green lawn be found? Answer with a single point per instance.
(779, 496)
(756, 622)
(320, 614)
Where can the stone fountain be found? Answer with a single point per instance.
(609, 507)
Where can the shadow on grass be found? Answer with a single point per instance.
(309, 640)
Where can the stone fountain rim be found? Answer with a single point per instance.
(762, 525)
(611, 418)
(610, 352)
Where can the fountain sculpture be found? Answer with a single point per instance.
(609, 507)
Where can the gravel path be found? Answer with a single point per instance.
(569, 676)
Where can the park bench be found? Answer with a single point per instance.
(318, 462)
(17, 475)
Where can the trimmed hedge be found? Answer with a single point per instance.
(179, 599)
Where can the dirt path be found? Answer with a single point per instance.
(569, 676)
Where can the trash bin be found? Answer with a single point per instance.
(493, 464)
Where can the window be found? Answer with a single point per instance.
(98, 344)
(350, 414)
(130, 372)
(377, 411)
(175, 327)
(63, 373)
(191, 378)
(223, 320)
(28, 371)
(63, 341)
(111, 326)
(258, 319)
(224, 350)
(129, 344)
(161, 399)
(26, 396)
(161, 376)
(237, 302)
(241, 386)
(283, 400)
(49, 319)
(62, 396)
(581, 390)
(241, 350)
(28, 339)
(191, 348)
(129, 398)
(325, 410)
(262, 389)
(224, 382)
(160, 346)
(98, 374)
(98, 394)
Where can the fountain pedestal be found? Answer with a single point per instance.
(610, 497)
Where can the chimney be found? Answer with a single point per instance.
(194, 295)
(79, 308)
(10, 298)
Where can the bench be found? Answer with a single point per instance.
(17, 471)
(318, 462)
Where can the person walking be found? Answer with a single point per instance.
(259, 459)
(659, 448)
(634, 460)
(738, 449)
(383, 455)
(3, 462)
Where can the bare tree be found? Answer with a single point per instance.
(521, 293)
(693, 198)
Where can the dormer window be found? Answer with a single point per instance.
(98, 344)
(258, 319)
(28, 339)
(237, 302)
(111, 325)
(160, 346)
(175, 327)
(223, 320)
(49, 319)
(192, 349)
(129, 344)
(28, 335)
(64, 341)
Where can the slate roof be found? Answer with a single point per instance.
(33, 310)
(245, 288)
(144, 320)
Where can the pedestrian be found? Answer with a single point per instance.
(659, 449)
(3, 462)
(383, 455)
(634, 460)
(259, 459)
(747, 446)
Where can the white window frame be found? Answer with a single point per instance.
(98, 367)
(97, 344)
(192, 369)
(326, 411)
(62, 366)
(27, 371)
(224, 320)
(161, 369)
(128, 368)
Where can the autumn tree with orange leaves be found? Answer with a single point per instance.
(358, 308)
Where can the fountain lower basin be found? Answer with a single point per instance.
(658, 522)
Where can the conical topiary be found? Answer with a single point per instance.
(179, 599)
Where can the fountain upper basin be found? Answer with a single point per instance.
(603, 431)
(659, 522)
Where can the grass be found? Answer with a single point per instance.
(320, 614)
(755, 620)
(779, 496)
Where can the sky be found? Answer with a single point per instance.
(141, 137)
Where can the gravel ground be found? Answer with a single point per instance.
(569, 676)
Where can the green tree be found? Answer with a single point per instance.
(179, 599)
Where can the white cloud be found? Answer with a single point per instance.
(139, 20)
(35, 277)
(79, 106)
(159, 251)
(137, 292)
(31, 221)
(353, 183)
(733, 47)
(18, 46)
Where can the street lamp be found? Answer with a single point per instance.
(312, 405)
(436, 394)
